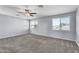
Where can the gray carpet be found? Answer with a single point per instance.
(36, 44)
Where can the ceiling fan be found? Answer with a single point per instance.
(27, 12)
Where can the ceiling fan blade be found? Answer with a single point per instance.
(20, 12)
(33, 13)
(26, 10)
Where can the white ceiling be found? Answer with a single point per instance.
(46, 10)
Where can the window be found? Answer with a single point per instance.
(65, 23)
(56, 24)
(34, 24)
(61, 23)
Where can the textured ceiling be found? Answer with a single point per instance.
(46, 10)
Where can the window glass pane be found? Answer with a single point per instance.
(65, 23)
(32, 27)
(56, 23)
(33, 24)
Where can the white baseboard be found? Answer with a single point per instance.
(53, 37)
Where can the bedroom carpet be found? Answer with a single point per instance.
(31, 43)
